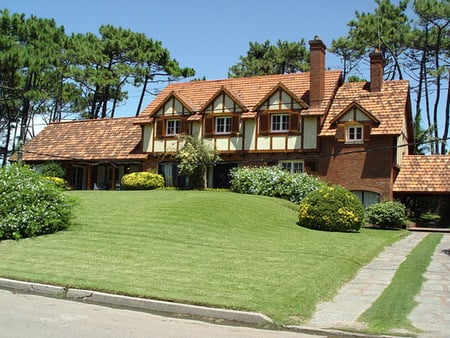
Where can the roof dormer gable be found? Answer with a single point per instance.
(281, 98)
(223, 101)
(174, 105)
(355, 112)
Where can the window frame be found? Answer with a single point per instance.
(283, 124)
(176, 127)
(225, 125)
(291, 163)
(351, 133)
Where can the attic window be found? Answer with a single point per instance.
(353, 132)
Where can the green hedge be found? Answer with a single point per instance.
(142, 181)
(274, 182)
(331, 208)
(31, 205)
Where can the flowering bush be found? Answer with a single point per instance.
(31, 205)
(388, 214)
(274, 182)
(331, 208)
(60, 182)
(142, 181)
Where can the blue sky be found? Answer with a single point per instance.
(208, 36)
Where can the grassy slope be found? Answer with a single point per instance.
(203, 247)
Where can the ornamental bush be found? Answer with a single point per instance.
(31, 205)
(331, 208)
(387, 214)
(142, 181)
(274, 182)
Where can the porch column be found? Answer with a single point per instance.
(89, 182)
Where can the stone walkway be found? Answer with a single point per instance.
(432, 315)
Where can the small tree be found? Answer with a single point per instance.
(194, 158)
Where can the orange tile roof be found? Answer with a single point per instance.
(248, 91)
(102, 139)
(424, 174)
(387, 106)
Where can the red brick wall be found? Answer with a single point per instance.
(368, 166)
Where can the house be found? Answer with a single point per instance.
(353, 134)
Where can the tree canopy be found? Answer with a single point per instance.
(46, 73)
(265, 58)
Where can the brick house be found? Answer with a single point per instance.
(354, 134)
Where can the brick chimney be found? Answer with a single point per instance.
(317, 72)
(376, 70)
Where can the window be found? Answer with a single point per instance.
(223, 125)
(279, 122)
(292, 166)
(354, 134)
(367, 197)
(172, 127)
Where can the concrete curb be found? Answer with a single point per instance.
(135, 303)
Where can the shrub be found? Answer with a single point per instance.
(388, 214)
(142, 181)
(60, 182)
(31, 205)
(274, 182)
(331, 208)
(51, 169)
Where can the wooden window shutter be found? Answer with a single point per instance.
(294, 122)
(263, 123)
(159, 128)
(235, 124)
(184, 126)
(366, 131)
(208, 125)
(340, 132)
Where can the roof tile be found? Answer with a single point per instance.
(248, 90)
(102, 139)
(387, 106)
(427, 174)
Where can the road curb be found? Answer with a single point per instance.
(135, 303)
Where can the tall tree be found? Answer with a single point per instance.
(264, 59)
(349, 53)
(429, 51)
(416, 50)
(30, 48)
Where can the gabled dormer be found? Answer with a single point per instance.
(354, 124)
(171, 117)
(222, 114)
(279, 111)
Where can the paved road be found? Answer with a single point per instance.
(25, 315)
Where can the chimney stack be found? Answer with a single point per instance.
(376, 70)
(317, 71)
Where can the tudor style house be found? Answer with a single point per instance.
(354, 134)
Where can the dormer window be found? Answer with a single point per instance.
(354, 134)
(279, 122)
(172, 127)
(223, 125)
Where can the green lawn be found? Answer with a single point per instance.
(202, 247)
